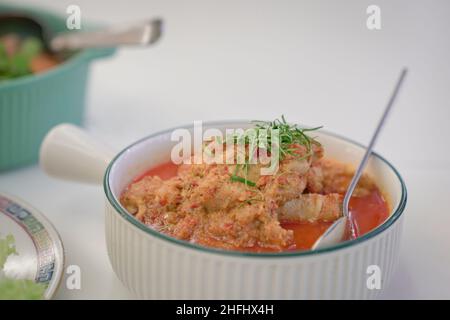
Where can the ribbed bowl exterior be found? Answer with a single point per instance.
(153, 268)
(29, 110)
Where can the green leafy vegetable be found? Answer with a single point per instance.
(30, 48)
(7, 248)
(243, 180)
(18, 66)
(16, 289)
(17, 63)
(3, 59)
(288, 135)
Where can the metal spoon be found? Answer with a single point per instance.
(337, 231)
(143, 33)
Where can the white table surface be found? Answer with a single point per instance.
(315, 62)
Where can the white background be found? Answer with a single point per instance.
(315, 62)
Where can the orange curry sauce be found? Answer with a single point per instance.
(368, 212)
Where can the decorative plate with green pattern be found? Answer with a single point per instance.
(31, 252)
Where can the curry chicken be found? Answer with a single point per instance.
(203, 204)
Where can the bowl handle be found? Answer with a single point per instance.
(69, 152)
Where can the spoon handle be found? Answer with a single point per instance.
(366, 157)
(144, 33)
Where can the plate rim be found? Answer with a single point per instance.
(60, 255)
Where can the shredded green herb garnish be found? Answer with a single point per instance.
(243, 180)
(288, 134)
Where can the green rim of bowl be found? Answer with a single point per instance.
(127, 216)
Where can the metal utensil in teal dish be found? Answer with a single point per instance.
(32, 104)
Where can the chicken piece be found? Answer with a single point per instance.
(318, 153)
(295, 165)
(337, 177)
(185, 227)
(302, 152)
(135, 198)
(284, 187)
(187, 171)
(151, 194)
(314, 179)
(216, 192)
(246, 226)
(312, 207)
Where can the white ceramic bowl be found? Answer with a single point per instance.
(155, 266)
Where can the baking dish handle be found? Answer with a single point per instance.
(69, 152)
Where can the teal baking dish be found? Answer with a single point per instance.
(31, 105)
